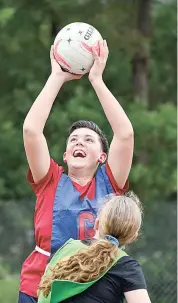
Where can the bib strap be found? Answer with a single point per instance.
(41, 251)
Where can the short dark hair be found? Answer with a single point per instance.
(91, 125)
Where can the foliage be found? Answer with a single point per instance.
(163, 69)
(154, 171)
(9, 290)
(23, 77)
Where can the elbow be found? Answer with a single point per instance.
(127, 134)
(130, 133)
(28, 131)
(128, 137)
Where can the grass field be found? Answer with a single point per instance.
(9, 290)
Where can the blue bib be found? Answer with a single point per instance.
(73, 217)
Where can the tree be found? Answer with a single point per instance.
(140, 62)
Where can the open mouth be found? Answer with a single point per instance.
(79, 154)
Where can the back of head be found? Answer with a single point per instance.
(91, 125)
(121, 218)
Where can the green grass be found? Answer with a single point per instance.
(9, 290)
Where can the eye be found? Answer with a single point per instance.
(89, 140)
(72, 139)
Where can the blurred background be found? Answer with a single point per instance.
(141, 73)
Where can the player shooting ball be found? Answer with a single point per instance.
(66, 205)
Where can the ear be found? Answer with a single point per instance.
(64, 157)
(102, 158)
(96, 226)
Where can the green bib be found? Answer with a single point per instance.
(64, 289)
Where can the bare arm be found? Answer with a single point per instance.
(121, 148)
(34, 141)
(137, 296)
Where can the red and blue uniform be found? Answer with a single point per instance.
(64, 209)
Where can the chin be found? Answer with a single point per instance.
(78, 164)
(81, 163)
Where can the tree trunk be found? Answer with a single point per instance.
(140, 62)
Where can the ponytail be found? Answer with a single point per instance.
(84, 266)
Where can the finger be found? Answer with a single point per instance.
(94, 51)
(106, 50)
(52, 52)
(106, 47)
(77, 76)
(74, 76)
(101, 47)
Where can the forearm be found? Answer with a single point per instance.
(40, 110)
(114, 112)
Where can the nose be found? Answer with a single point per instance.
(79, 142)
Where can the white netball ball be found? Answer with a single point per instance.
(73, 47)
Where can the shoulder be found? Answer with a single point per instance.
(127, 260)
(51, 178)
(106, 173)
(127, 264)
(129, 273)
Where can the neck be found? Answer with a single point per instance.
(80, 175)
(97, 235)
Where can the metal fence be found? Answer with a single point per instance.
(156, 251)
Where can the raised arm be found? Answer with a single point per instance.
(121, 148)
(34, 141)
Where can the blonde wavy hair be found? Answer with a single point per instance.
(120, 217)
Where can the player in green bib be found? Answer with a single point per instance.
(98, 270)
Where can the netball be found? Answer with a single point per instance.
(73, 47)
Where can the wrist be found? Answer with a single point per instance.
(57, 77)
(96, 81)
